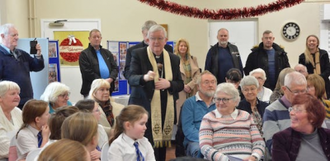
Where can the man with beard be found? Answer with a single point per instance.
(194, 109)
(268, 56)
(223, 56)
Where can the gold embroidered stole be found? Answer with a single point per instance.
(161, 136)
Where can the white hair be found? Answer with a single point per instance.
(229, 89)
(259, 70)
(53, 90)
(155, 28)
(5, 86)
(296, 78)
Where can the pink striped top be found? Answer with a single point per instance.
(239, 137)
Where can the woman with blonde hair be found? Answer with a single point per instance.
(10, 115)
(316, 60)
(189, 71)
(57, 95)
(82, 127)
(65, 149)
(108, 107)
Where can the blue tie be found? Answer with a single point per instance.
(39, 139)
(138, 152)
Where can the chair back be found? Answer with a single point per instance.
(33, 154)
(104, 151)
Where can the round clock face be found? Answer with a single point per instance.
(291, 31)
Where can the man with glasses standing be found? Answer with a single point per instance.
(193, 111)
(276, 116)
(268, 56)
(16, 64)
(156, 81)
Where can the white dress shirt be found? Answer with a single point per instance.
(27, 140)
(123, 149)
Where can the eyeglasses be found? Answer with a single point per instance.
(224, 100)
(209, 82)
(296, 92)
(295, 109)
(64, 95)
(249, 89)
(156, 38)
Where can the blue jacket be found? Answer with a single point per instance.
(19, 70)
(191, 117)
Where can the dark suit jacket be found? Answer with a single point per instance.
(142, 92)
(168, 48)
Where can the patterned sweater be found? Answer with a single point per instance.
(219, 137)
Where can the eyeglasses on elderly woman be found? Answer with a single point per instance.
(224, 100)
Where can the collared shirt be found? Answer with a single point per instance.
(122, 149)
(285, 101)
(5, 47)
(27, 140)
(198, 98)
(233, 114)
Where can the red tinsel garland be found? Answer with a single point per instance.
(220, 14)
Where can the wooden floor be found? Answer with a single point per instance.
(170, 152)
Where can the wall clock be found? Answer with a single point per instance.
(291, 31)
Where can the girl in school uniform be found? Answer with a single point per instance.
(92, 107)
(128, 142)
(34, 132)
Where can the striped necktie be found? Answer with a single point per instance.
(138, 152)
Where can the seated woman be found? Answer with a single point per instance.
(316, 87)
(34, 132)
(251, 103)
(82, 127)
(10, 115)
(278, 93)
(57, 95)
(65, 149)
(228, 132)
(108, 107)
(264, 93)
(234, 76)
(92, 107)
(305, 139)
